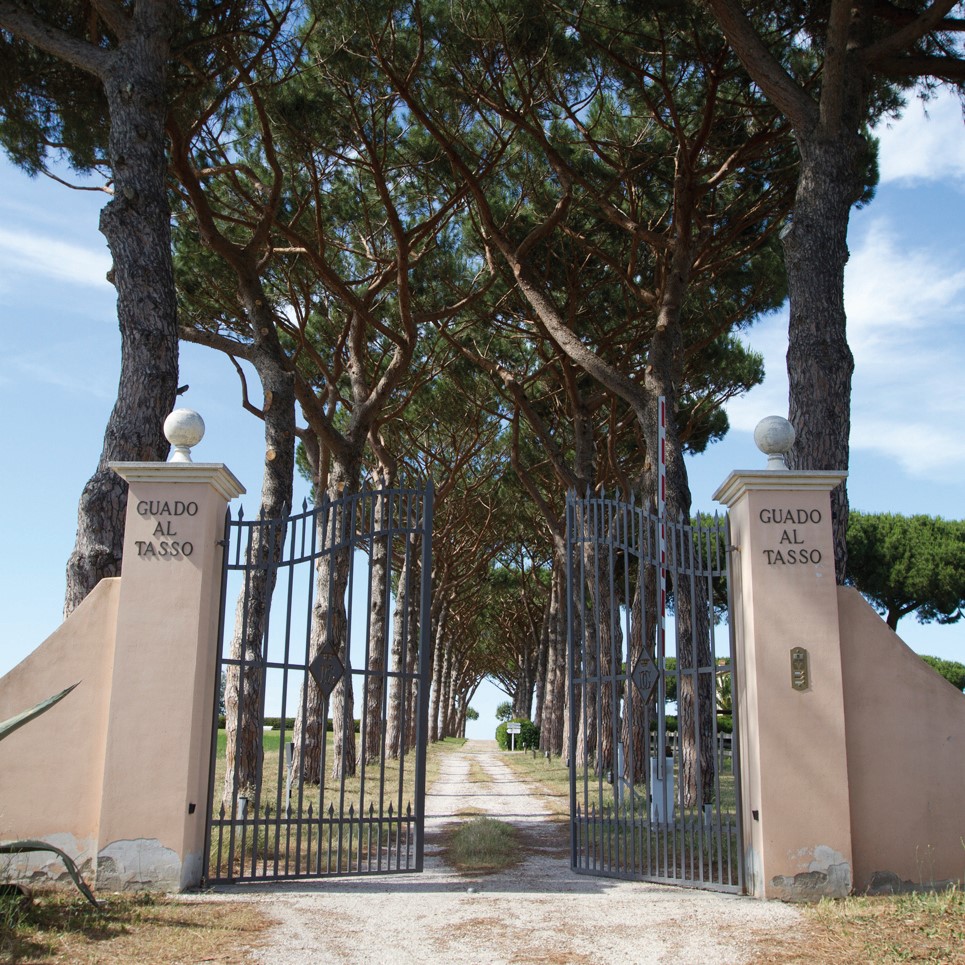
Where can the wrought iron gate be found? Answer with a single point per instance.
(318, 757)
(654, 795)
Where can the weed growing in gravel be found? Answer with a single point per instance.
(130, 930)
(482, 844)
(926, 927)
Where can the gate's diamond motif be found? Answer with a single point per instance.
(327, 670)
(645, 676)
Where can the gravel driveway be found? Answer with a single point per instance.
(537, 912)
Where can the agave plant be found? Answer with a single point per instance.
(7, 727)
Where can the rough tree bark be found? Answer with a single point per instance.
(133, 69)
(380, 571)
(243, 687)
(819, 359)
(554, 701)
(860, 41)
(542, 665)
(329, 632)
(438, 615)
(399, 708)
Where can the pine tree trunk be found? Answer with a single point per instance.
(379, 580)
(542, 665)
(329, 632)
(439, 609)
(572, 695)
(586, 738)
(136, 224)
(445, 695)
(696, 697)
(555, 713)
(634, 730)
(819, 359)
(603, 642)
(396, 710)
(244, 695)
(412, 662)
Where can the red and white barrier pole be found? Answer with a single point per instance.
(662, 584)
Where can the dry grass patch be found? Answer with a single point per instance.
(131, 930)
(477, 773)
(925, 928)
(482, 844)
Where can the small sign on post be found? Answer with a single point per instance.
(513, 728)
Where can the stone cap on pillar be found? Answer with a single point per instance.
(774, 436)
(741, 481)
(215, 474)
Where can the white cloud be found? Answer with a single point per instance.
(906, 331)
(926, 144)
(893, 293)
(24, 252)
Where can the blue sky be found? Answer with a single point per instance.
(905, 293)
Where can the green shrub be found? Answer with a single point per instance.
(526, 740)
(275, 724)
(725, 724)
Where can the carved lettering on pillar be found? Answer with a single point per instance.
(790, 539)
(165, 543)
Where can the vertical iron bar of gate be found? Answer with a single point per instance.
(405, 698)
(267, 534)
(626, 803)
(698, 644)
(242, 696)
(321, 508)
(284, 765)
(388, 517)
(367, 512)
(571, 677)
(643, 544)
(594, 642)
(615, 661)
(712, 825)
(225, 542)
(356, 504)
(682, 574)
(735, 710)
(422, 719)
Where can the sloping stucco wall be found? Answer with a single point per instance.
(52, 768)
(905, 735)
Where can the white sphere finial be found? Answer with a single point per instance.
(774, 436)
(183, 428)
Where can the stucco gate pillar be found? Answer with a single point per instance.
(155, 785)
(794, 772)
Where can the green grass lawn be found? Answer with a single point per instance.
(364, 822)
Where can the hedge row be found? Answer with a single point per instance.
(725, 724)
(274, 723)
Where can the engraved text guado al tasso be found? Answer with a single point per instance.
(791, 546)
(168, 513)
